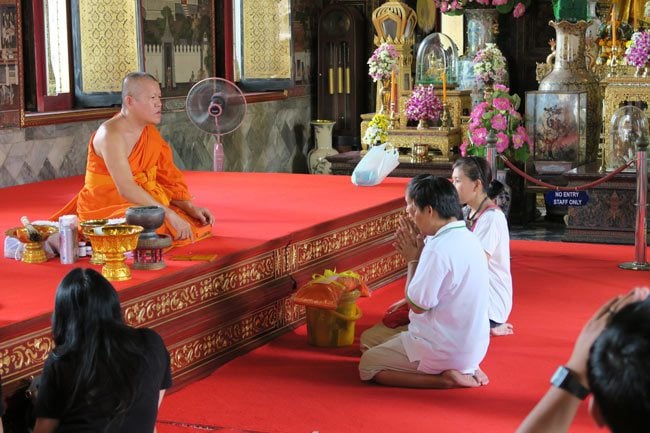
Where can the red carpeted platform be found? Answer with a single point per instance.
(288, 386)
(272, 231)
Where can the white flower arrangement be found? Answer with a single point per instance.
(382, 62)
(489, 65)
(377, 130)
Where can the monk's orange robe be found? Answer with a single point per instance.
(153, 169)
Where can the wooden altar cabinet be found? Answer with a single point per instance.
(609, 215)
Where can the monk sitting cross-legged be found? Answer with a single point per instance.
(130, 164)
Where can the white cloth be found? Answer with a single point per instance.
(451, 284)
(492, 230)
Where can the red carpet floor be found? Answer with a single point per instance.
(288, 386)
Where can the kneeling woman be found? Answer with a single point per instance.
(472, 177)
(102, 376)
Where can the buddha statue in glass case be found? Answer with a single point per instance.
(437, 54)
(627, 124)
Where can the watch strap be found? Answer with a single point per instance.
(565, 379)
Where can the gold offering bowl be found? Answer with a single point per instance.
(112, 241)
(96, 258)
(34, 252)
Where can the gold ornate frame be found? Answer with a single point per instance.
(264, 48)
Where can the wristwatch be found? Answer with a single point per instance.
(565, 379)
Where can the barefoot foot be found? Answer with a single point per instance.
(502, 329)
(456, 379)
(481, 377)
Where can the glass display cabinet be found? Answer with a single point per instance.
(627, 125)
(437, 54)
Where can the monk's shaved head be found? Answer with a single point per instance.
(131, 81)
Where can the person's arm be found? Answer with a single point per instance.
(46, 425)
(109, 144)
(203, 215)
(555, 411)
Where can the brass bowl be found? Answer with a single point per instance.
(34, 252)
(112, 241)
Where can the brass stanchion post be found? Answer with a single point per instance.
(640, 234)
(491, 153)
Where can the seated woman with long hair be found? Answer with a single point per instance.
(102, 375)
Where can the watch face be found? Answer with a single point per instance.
(560, 376)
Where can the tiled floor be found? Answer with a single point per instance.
(541, 229)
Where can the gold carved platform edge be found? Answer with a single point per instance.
(375, 272)
(209, 344)
(155, 308)
(344, 238)
(23, 356)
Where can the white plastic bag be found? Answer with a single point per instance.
(375, 165)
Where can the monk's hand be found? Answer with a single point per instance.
(202, 214)
(182, 228)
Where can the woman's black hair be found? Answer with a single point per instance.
(89, 332)
(477, 168)
(437, 192)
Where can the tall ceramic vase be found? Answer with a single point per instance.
(481, 28)
(323, 138)
(570, 73)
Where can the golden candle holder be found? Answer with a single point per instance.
(420, 152)
(34, 252)
(96, 258)
(112, 241)
(393, 119)
(446, 121)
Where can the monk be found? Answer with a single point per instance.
(130, 164)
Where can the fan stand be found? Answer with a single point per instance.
(218, 158)
(218, 155)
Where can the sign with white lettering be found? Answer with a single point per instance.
(566, 198)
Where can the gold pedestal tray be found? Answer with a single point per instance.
(34, 252)
(112, 241)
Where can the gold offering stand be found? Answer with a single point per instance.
(96, 257)
(34, 252)
(113, 241)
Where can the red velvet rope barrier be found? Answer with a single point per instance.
(564, 188)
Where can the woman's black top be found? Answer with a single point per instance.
(90, 413)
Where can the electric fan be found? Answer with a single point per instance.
(218, 107)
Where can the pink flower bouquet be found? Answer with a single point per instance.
(423, 104)
(456, 7)
(638, 49)
(499, 115)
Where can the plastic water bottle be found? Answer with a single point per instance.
(219, 157)
(68, 239)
